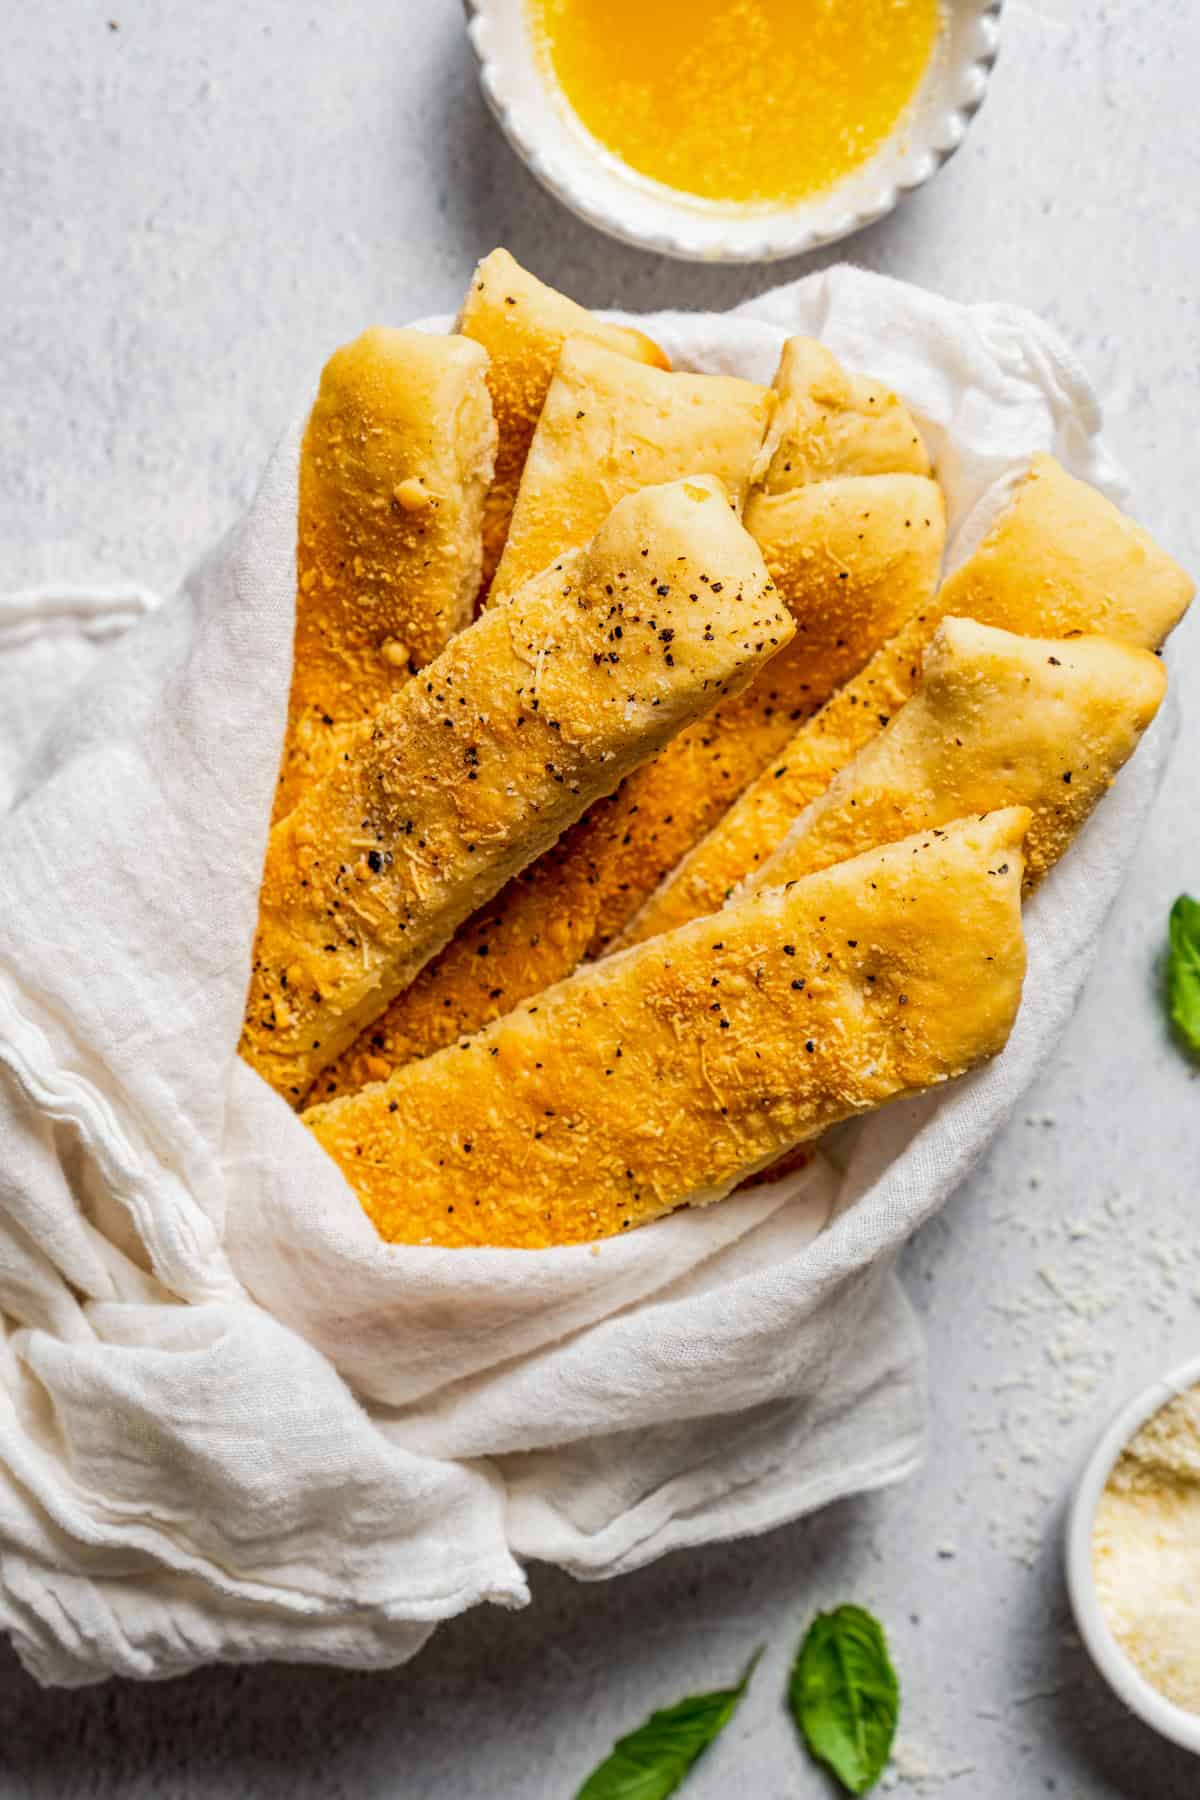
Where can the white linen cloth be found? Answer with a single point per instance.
(233, 1423)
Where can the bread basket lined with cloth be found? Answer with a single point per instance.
(239, 1425)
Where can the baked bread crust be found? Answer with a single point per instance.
(610, 425)
(1060, 560)
(853, 554)
(394, 465)
(475, 768)
(998, 720)
(834, 421)
(523, 324)
(666, 1075)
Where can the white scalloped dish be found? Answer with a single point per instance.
(608, 194)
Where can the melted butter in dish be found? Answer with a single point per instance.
(745, 102)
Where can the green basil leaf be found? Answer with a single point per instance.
(651, 1762)
(1183, 971)
(844, 1695)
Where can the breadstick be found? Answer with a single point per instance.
(583, 892)
(610, 425)
(394, 466)
(1060, 560)
(522, 324)
(665, 1076)
(998, 720)
(476, 767)
(832, 421)
(853, 555)
(852, 529)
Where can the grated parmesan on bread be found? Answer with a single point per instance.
(853, 553)
(1061, 559)
(394, 465)
(476, 767)
(610, 425)
(523, 324)
(998, 720)
(666, 1075)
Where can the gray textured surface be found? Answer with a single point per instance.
(193, 209)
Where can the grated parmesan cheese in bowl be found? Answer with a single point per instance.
(1146, 1550)
(1133, 1556)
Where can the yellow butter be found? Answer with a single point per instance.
(744, 101)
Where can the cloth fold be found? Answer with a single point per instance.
(233, 1423)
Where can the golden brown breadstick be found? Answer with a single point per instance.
(831, 421)
(610, 425)
(474, 768)
(1060, 560)
(665, 1076)
(853, 554)
(522, 324)
(876, 547)
(998, 720)
(394, 466)
(852, 530)
(571, 903)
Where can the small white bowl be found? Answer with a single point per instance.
(608, 194)
(1128, 1685)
